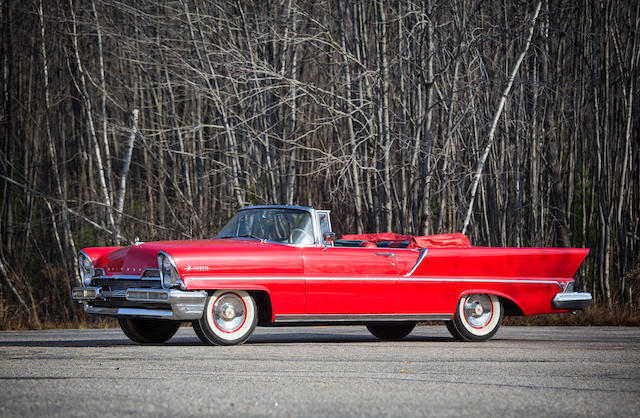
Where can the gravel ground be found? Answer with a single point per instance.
(323, 371)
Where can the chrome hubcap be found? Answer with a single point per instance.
(229, 312)
(477, 310)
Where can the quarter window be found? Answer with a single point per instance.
(323, 221)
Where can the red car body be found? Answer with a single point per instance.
(324, 282)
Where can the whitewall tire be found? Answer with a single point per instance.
(477, 317)
(230, 317)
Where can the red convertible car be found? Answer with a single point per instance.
(281, 265)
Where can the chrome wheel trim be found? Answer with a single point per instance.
(479, 314)
(233, 330)
(478, 310)
(229, 312)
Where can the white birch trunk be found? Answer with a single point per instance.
(103, 103)
(102, 174)
(53, 153)
(125, 170)
(494, 122)
(385, 128)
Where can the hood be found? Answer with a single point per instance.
(204, 257)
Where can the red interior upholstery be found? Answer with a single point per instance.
(457, 240)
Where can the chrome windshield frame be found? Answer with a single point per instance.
(318, 241)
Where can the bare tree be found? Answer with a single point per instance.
(159, 120)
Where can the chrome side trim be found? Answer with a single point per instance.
(292, 278)
(572, 300)
(467, 280)
(363, 317)
(423, 254)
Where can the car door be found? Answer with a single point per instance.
(356, 281)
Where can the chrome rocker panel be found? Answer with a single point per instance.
(182, 305)
(572, 300)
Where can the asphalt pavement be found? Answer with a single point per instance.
(323, 371)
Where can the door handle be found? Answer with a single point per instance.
(386, 254)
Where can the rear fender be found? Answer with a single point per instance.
(511, 307)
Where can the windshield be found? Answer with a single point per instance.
(288, 226)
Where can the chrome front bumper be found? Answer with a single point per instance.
(572, 300)
(175, 304)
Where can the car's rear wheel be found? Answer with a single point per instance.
(477, 317)
(148, 331)
(391, 331)
(229, 318)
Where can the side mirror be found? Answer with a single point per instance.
(329, 238)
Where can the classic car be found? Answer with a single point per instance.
(282, 265)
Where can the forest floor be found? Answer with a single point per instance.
(597, 315)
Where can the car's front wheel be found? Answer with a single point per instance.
(477, 317)
(148, 331)
(229, 318)
(391, 331)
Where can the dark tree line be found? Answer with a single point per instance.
(510, 120)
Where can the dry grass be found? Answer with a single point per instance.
(597, 315)
(21, 322)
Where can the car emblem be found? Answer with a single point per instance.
(196, 268)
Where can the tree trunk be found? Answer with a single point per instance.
(496, 117)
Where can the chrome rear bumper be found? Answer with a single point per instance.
(175, 304)
(572, 300)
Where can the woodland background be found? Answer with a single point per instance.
(514, 121)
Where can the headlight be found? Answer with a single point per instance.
(168, 271)
(86, 268)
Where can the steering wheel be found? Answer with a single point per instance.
(307, 238)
